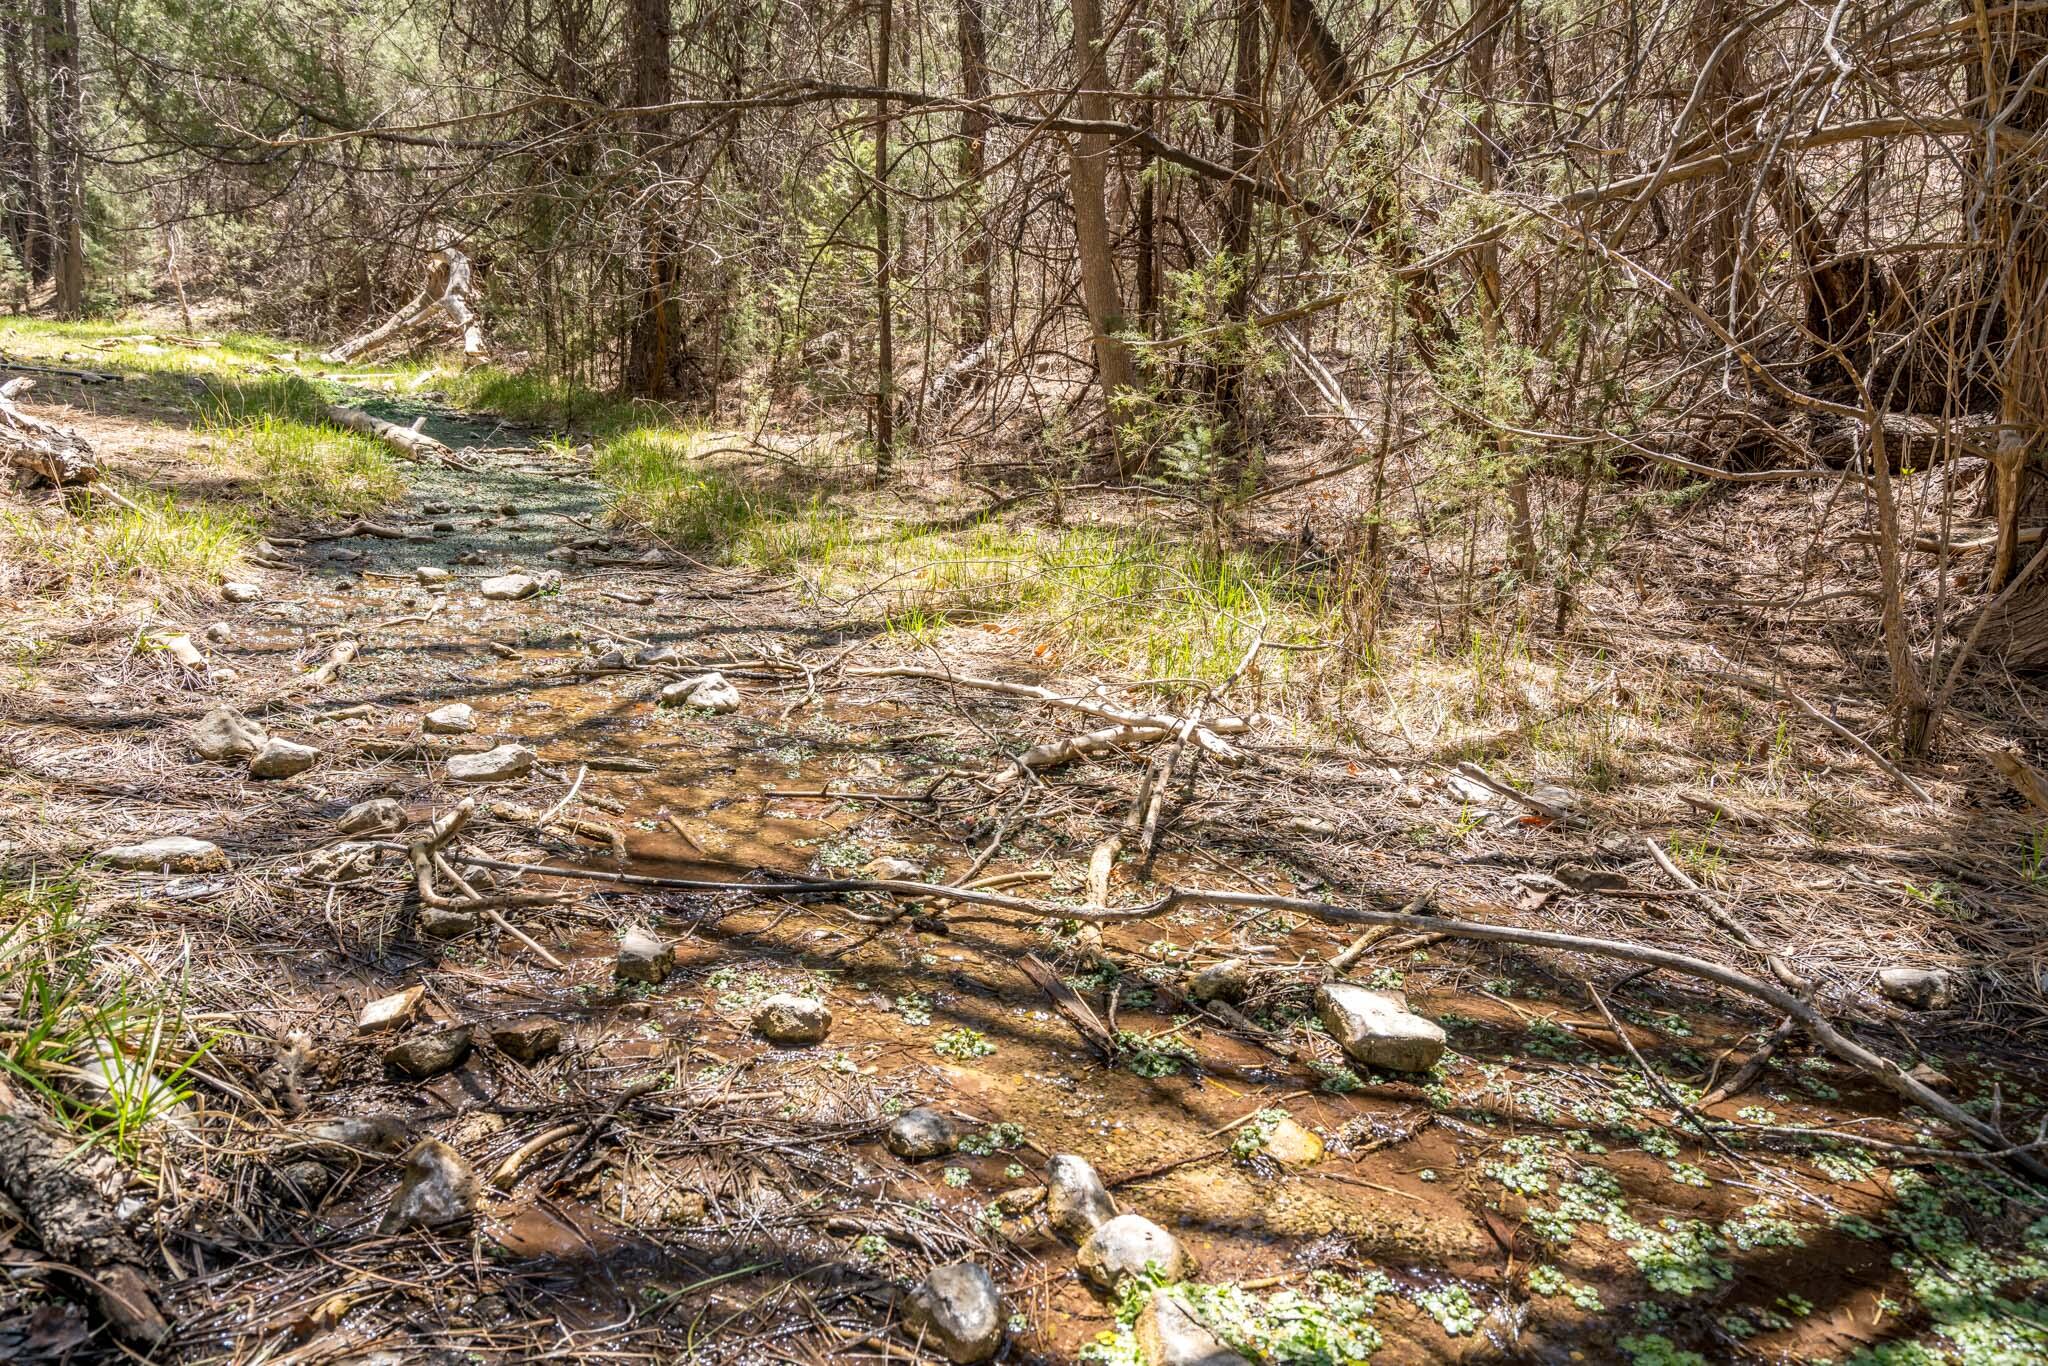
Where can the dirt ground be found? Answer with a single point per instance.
(1535, 1198)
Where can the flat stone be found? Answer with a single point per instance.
(706, 692)
(1290, 1144)
(1168, 1335)
(169, 854)
(347, 861)
(225, 733)
(438, 1189)
(1918, 988)
(431, 574)
(377, 816)
(427, 1056)
(528, 1040)
(659, 654)
(1076, 1201)
(643, 958)
(889, 868)
(504, 764)
(1377, 1029)
(509, 587)
(958, 1312)
(1225, 981)
(457, 718)
(1129, 1245)
(391, 1012)
(921, 1133)
(282, 759)
(438, 922)
(793, 1021)
(233, 591)
(387, 1135)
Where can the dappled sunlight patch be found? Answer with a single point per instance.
(178, 545)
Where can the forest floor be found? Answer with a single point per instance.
(710, 1196)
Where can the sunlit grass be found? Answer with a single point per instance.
(276, 426)
(182, 546)
(536, 399)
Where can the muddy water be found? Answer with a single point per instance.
(1423, 1182)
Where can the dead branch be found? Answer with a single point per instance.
(43, 451)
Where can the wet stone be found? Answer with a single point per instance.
(170, 854)
(438, 922)
(501, 765)
(377, 816)
(643, 958)
(1130, 1245)
(528, 1040)
(282, 759)
(427, 1056)
(457, 718)
(438, 1189)
(1918, 988)
(1225, 981)
(958, 1312)
(1169, 1335)
(1287, 1142)
(921, 1133)
(1377, 1029)
(240, 592)
(1076, 1201)
(509, 587)
(225, 733)
(793, 1021)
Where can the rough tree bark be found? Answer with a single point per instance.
(67, 155)
(1088, 183)
(1245, 134)
(657, 360)
(43, 451)
(23, 216)
(977, 301)
(2017, 188)
(885, 307)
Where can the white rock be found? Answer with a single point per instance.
(239, 592)
(1918, 988)
(499, 765)
(457, 718)
(1128, 1245)
(509, 587)
(889, 868)
(793, 1021)
(346, 861)
(1076, 1201)
(1169, 1335)
(1376, 1028)
(282, 758)
(225, 733)
(170, 854)
(643, 958)
(377, 816)
(389, 1012)
(438, 1189)
(708, 692)
(430, 574)
(958, 1311)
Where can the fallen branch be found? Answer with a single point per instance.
(1885, 1071)
(409, 442)
(43, 451)
(448, 289)
(39, 1172)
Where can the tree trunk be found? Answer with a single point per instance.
(1237, 235)
(1487, 22)
(885, 307)
(1089, 187)
(2016, 188)
(22, 212)
(67, 156)
(657, 362)
(977, 301)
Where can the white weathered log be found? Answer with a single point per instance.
(409, 442)
(44, 451)
(450, 285)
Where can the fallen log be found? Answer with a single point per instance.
(448, 290)
(409, 442)
(76, 1225)
(44, 451)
